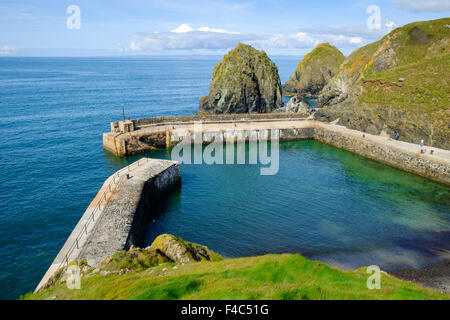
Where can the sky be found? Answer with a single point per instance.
(202, 27)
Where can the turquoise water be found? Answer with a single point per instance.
(325, 203)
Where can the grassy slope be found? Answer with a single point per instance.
(265, 277)
(425, 66)
(419, 107)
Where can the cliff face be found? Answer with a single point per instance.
(314, 71)
(245, 81)
(399, 83)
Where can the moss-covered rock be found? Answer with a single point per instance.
(314, 71)
(179, 250)
(133, 259)
(245, 81)
(397, 84)
(166, 248)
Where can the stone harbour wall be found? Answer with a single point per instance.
(382, 148)
(410, 162)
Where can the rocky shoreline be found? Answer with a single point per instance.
(435, 276)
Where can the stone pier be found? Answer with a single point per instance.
(148, 134)
(119, 214)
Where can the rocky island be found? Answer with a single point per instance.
(314, 71)
(246, 81)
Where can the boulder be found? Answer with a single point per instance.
(178, 250)
(246, 81)
(297, 104)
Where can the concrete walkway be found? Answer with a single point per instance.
(410, 148)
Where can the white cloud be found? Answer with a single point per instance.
(183, 28)
(390, 24)
(423, 5)
(188, 40)
(298, 40)
(355, 40)
(186, 37)
(5, 50)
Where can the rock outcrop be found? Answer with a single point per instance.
(297, 104)
(178, 250)
(246, 81)
(314, 71)
(165, 248)
(397, 84)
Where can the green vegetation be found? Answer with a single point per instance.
(283, 276)
(423, 60)
(245, 81)
(315, 70)
(399, 83)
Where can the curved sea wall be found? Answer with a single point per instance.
(149, 134)
(118, 215)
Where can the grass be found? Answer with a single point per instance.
(418, 106)
(424, 62)
(285, 277)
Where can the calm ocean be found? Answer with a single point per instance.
(325, 203)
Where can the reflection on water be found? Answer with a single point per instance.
(325, 203)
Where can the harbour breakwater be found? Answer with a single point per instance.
(117, 217)
(137, 136)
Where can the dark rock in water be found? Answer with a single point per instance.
(314, 71)
(297, 104)
(245, 81)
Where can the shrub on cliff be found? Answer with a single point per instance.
(245, 81)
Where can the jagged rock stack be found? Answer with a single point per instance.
(314, 71)
(246, 81)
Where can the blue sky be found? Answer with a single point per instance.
(139, 27)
